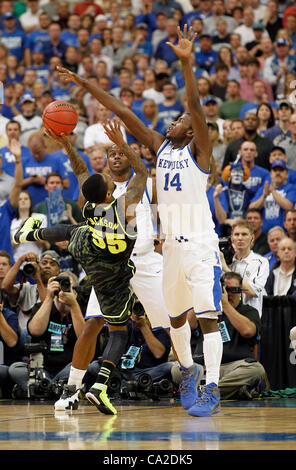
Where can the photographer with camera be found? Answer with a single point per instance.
(253, 268)
(10, 350)
(23, 295)
(239, 324)
(57, 321)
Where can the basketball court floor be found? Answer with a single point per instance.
(241, 425)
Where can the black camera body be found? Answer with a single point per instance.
(29, 269)
(64, 282)
(139, 388)
(232, 289)
(39, 387)
(225, 246)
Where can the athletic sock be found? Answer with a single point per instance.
(76, 376)
(212, 349)
(104, 373)
(181, 338)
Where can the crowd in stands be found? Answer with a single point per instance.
(244, 61)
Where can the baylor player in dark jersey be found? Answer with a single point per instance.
(102, 246)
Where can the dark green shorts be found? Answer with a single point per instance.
(110, 280)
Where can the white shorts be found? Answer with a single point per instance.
(191, 277)
(147, 285)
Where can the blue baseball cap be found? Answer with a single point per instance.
(282, 42)
(8, 15)
(279, 164)
(27, 97)
(210, 99)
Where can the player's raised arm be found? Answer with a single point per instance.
(200, 146)
(143, 134)
(137, 184)
(78, 164)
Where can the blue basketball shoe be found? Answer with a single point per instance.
(188, 387)
(208, 402)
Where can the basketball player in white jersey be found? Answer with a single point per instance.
(192, 268)
(146, 283)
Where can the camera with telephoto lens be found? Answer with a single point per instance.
(225, 246)
(65, 283)
(39, 386)
(162, 390)
(139, 387)
(29, 269)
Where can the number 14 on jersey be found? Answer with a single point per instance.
(174, 182)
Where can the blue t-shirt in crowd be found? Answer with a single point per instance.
(7, 213)
(8, 158)
(165, 52)
(257, 178)
(205, 60)
(37, 38)
(15, 42)
(70, 39)
(168, 114)
(272, 213)
(73, 182)
(48, 165)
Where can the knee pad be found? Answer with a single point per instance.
(116, 346)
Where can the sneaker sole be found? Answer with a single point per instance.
(102, 408)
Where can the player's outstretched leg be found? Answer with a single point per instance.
(26, 231)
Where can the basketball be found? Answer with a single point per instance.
(61, 117)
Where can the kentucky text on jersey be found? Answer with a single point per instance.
(177, 165)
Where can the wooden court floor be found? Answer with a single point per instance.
(257, 425)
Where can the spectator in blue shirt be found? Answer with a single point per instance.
(69, 36)
(164, 51)
(191, 15)
(280, 131)
(13, 132)
(56, 47)
(38, 37)
(275, 197)
(141, 45)
(14, 39)
(8, 209)
(37, 166)
(171, 108)
(258, 175)
(206, 57)
(274, 236)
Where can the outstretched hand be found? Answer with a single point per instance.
(185, 45)
(113, 131)
(69, 76)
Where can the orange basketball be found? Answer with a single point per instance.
(61, 117)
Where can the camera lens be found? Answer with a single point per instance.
(29, 269)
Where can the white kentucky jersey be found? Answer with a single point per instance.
(144, 215)
(181, 192)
